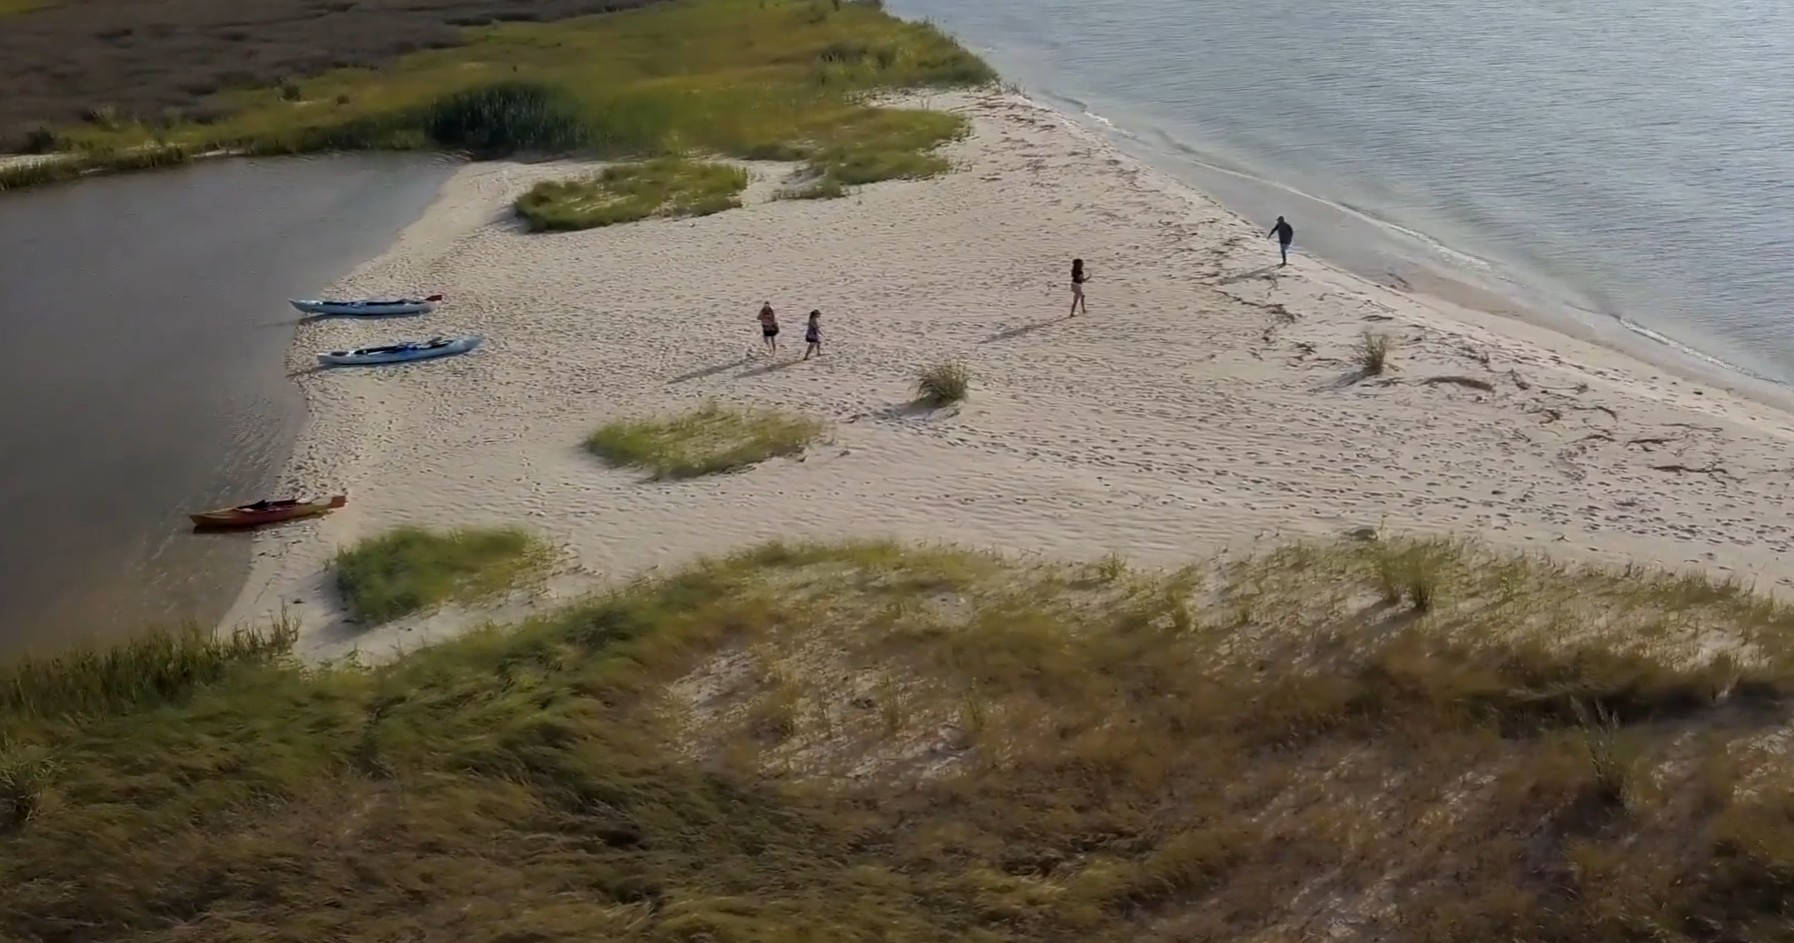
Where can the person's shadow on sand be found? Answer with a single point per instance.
(1269, 271)
(764, 369)
(1026, 329)
(709, 371)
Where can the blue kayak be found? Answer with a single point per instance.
(401, 352)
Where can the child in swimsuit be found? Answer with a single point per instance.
(813, 335)
(769, 327)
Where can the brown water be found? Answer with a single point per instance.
(143, 327)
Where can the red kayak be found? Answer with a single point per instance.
(266, 512)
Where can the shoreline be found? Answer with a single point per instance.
(1448, 284)
(1201, 408)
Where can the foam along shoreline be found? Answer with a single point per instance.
(1208, 402)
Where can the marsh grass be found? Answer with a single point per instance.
(669, 186)
(59, 168)
(754, 79)
(706, 441)
(868, 741)
(411, 569)
(943, 384)
(147, 669)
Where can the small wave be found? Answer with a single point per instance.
(1688, 351)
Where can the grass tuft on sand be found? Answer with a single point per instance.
(943, 384)
(411, 569)
(754, 79)
(706, 441)
(625, 193)
(871, 741)
(1372, 353)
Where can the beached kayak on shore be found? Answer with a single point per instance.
(401, 352)
(266, 512)
(367, 307)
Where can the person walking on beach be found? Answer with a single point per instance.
(813, 335)
(769, 327)
(1078, 278)
(1284, 233)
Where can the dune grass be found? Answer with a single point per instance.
(943, 384)
(706, 441)
(149, 668)
(411, 569)
(669, 186)
(1372, 353)
(758, 79)
(868, 741)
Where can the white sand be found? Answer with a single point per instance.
(1205, 403)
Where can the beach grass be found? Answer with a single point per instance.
(1372, 353)
(706, 441)
(411, 569)
(625, 193)
(150, 668)
(874, 741)
(943, 384)
(754, 79)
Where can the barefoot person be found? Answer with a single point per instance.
(1285, 233)
(1078, 278)
(769, 327)
(813, 335)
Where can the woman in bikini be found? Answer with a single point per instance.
(1078, 278)
(769, 327)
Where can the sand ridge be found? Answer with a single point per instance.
(1207, 402)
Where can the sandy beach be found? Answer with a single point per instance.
(1208, 402)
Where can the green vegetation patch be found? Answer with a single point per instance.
(669, 186)
(708, 440)
(412, 569)
(754, 79)
(868, 741)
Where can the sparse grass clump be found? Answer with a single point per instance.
(1373, 353)
(943, 384)
(866, 741)
(705, 441)
(411, 569)
(623, 194)
(752, 79)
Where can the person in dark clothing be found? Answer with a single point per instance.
(813, 335)
(1284, 233)
(1078, 278)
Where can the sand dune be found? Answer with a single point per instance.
(1207, 402)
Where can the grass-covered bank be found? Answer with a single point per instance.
(784, 79)
(872, 742)
(669, 186)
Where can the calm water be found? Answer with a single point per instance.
(141, 374)
(1633, 159)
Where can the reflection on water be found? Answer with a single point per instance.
(143, 327)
